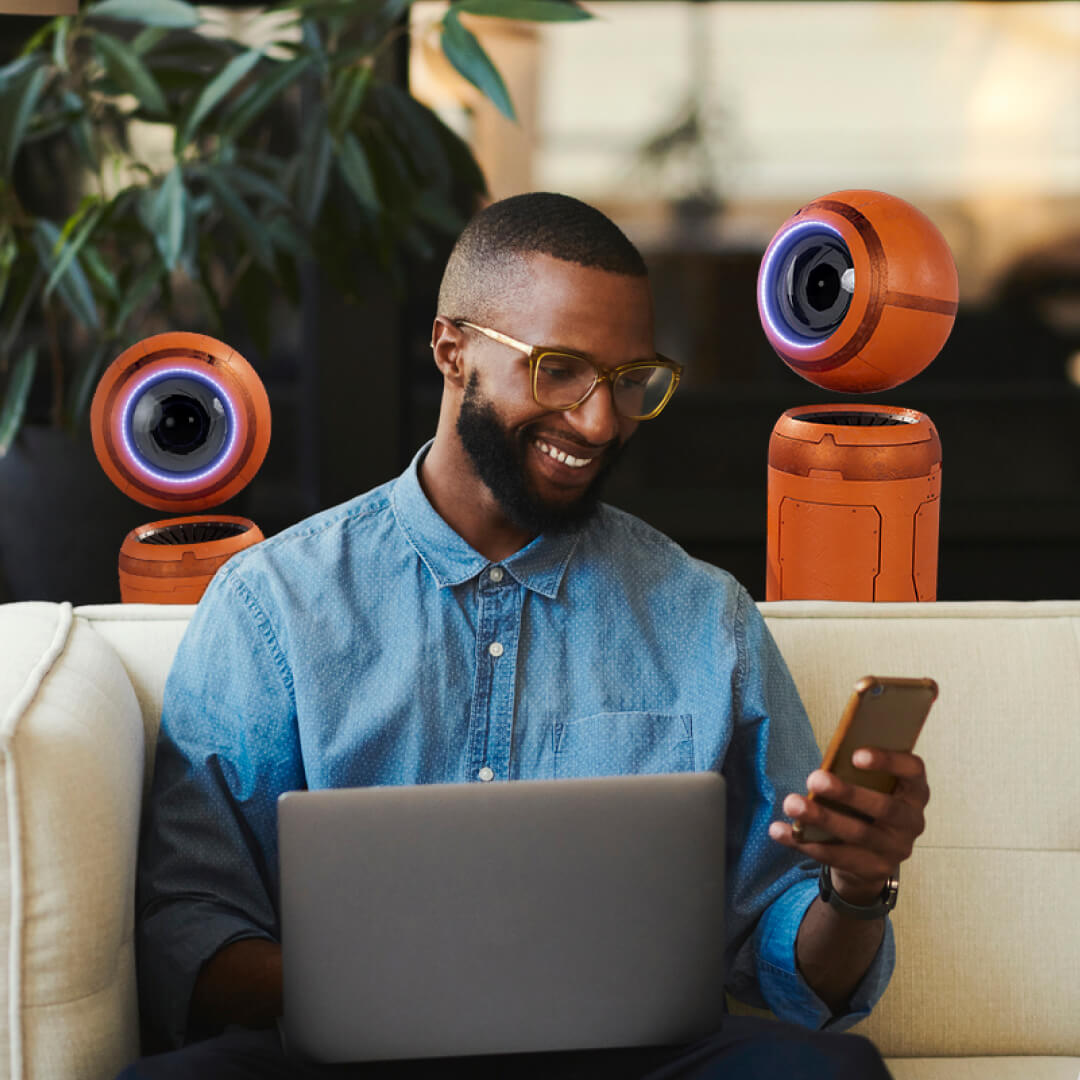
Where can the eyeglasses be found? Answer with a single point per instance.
(562, 381)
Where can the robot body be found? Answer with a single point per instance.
(180, 422)
(853, 507)
(857, 292)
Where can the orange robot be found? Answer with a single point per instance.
(180, 422)
(857, 292)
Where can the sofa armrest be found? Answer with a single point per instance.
(71, 767)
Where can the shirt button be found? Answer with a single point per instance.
(486, 774)
(496, 574)
(495, 648)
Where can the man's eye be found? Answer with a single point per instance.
(557, 369)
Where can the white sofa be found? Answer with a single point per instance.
(987, 983)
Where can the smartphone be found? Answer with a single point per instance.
(882, 712)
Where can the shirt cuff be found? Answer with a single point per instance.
(788, 994)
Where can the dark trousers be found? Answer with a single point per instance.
(746, 1048)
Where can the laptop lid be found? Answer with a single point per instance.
(536, 915)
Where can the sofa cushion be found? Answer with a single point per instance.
(72, 747)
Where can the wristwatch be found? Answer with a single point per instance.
(885, 902)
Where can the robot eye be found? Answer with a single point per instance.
(180, 421)
(812, 281)
(179, 424)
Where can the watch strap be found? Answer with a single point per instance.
(881, 907)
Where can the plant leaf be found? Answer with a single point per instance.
(235, 70)
(356, 170)
(124, 66)
(348, 95)
(435, 209)
(243, 113)
(59, 44)
(174, 14)
(16, 397)
(82, 384)
(147, 38)
(134, 295)
(415, 128)
(315, 170)
(39, 39)
(162, 211)
(236, 210)
(17, 103)
(72, 285)
(253, 183)
(469, 58)
(9, 252)
(286, 237)
(97, 269)
(89, 217)
(532, 10)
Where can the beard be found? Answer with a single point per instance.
(498, 455)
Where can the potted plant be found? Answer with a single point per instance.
(153, 173)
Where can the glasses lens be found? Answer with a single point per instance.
(562, 380)
(640, 391)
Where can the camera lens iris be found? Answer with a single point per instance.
(814, 283)
(179, 425)
(183, 425)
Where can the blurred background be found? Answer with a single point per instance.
(699, 127)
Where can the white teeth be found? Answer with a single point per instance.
(562, 456)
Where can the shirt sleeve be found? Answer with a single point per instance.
(227, 747)
(772, 751)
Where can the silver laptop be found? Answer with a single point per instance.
(536, 915)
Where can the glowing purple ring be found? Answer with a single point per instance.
(125, 427)
(781, 245)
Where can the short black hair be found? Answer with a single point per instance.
(509, 231)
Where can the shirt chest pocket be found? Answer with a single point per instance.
(614, 743)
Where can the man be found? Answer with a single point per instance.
(484, 618)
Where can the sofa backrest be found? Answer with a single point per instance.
(988, 950)
(988, 946)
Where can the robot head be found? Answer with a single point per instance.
(857, 291)
(180, 422)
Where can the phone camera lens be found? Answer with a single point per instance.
(878, 689)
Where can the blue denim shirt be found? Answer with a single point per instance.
(370, 644)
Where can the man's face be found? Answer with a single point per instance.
(546, 468)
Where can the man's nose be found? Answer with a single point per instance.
(596, 421)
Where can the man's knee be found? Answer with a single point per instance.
(861, 1057)
(239, 1054)
(767, 1048)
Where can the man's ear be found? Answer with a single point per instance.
(447, 342)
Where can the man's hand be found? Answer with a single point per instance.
(239, 984)
(868, 852)
(832, 951)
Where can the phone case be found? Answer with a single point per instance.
(884, 712)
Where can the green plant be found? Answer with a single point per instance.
(301, 149)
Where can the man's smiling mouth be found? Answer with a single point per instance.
(562, 456)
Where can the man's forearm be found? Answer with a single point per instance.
(239, 984)
(834, 952)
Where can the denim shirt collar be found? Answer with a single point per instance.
(539, 566)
